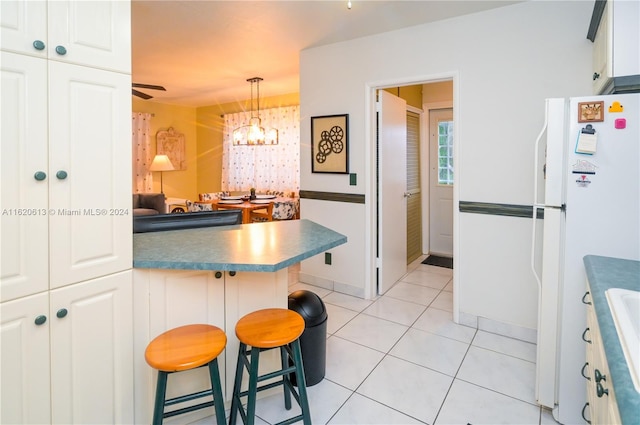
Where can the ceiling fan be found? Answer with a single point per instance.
(145, 86)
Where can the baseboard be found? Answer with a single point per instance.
(331, 285)
(499, 328)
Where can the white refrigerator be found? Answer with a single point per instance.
(587, 184)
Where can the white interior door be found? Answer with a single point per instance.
(441, 182)
(392, 186)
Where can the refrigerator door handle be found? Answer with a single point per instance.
(537, 158)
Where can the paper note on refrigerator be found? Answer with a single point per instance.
(586, 143)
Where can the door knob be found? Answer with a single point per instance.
(407, 194)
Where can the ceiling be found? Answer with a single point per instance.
(203, 51)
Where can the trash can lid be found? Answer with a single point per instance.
(309, 305)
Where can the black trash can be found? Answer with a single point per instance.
(313, 341)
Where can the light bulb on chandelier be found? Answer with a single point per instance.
(253, 133)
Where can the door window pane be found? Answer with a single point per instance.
(445, 152)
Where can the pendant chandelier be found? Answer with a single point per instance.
(253, 133)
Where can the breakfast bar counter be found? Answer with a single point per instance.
(264, 247)
(212, 275)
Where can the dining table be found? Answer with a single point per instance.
(244, 204)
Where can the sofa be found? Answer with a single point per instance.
(148, 204)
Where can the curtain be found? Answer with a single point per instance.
(264, 167)
(142, 177)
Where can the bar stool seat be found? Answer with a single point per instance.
(185, 348)
(264, 330)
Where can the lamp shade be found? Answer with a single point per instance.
(161, 163)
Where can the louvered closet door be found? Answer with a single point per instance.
(414, 202)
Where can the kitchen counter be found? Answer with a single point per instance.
(261, 247)
(213, 275)
(605, 273)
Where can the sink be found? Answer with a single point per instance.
(625, 308)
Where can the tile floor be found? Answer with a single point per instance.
(402, 360)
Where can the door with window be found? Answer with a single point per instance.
(441, 182)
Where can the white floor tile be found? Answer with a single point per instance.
(337, 317)
(430, 350)
(348, 363)
(444, 301)
(347, 301)
(468, 403)
(449, 287)
(427, 278)
(325, 398)
(409, 388)
(435, 269)
(395, 310)
(546, 417)
(372, 332)
(362, 410)
(513, 347)
(441, 322)
(413, 293)
(499, 372)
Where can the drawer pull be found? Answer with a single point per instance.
(218, 275)
(40, 320)
(232, 273)
(583, 409)
(599, 376)
(583, 375)
(584, 298)
(584, 336)
(600, 390)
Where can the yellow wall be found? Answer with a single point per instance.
(411, 94)
(210, 126)
(202, 128)
(177, 184)
(438, 92)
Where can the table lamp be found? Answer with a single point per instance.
(161, 163)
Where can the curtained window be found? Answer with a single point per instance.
(263, 167)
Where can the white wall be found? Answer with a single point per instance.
(504, 62)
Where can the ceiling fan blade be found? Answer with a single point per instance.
(148, 86)
(140, 94)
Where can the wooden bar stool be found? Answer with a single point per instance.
(264, 330)
(185, 348)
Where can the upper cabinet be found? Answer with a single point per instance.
(615, 33)
(91, 33)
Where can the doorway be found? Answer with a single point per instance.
(434, 95)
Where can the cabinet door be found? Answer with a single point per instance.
(178, 298)
(25, 361)
(92, 351)
(90, 167)
(24, 193)
(23, 23)
(94, 33)
(602, 52)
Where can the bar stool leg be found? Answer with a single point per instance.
(253, 386)
(161, 390)
(301, 381)
(216, 390)
(236, 403)
(284, 361)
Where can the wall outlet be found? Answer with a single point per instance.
(327, 258)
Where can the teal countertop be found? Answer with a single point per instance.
(605, 273)
(261, 247)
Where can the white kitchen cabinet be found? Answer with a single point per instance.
(65, 207)
(616, 44)
(66, 187)
(25, 367)
(24, 200)
(76, 366)
(92, 33)
(166, 299)
(603, 408)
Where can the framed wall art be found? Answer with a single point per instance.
(330, 144)
(171, 143)
(590, 111)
